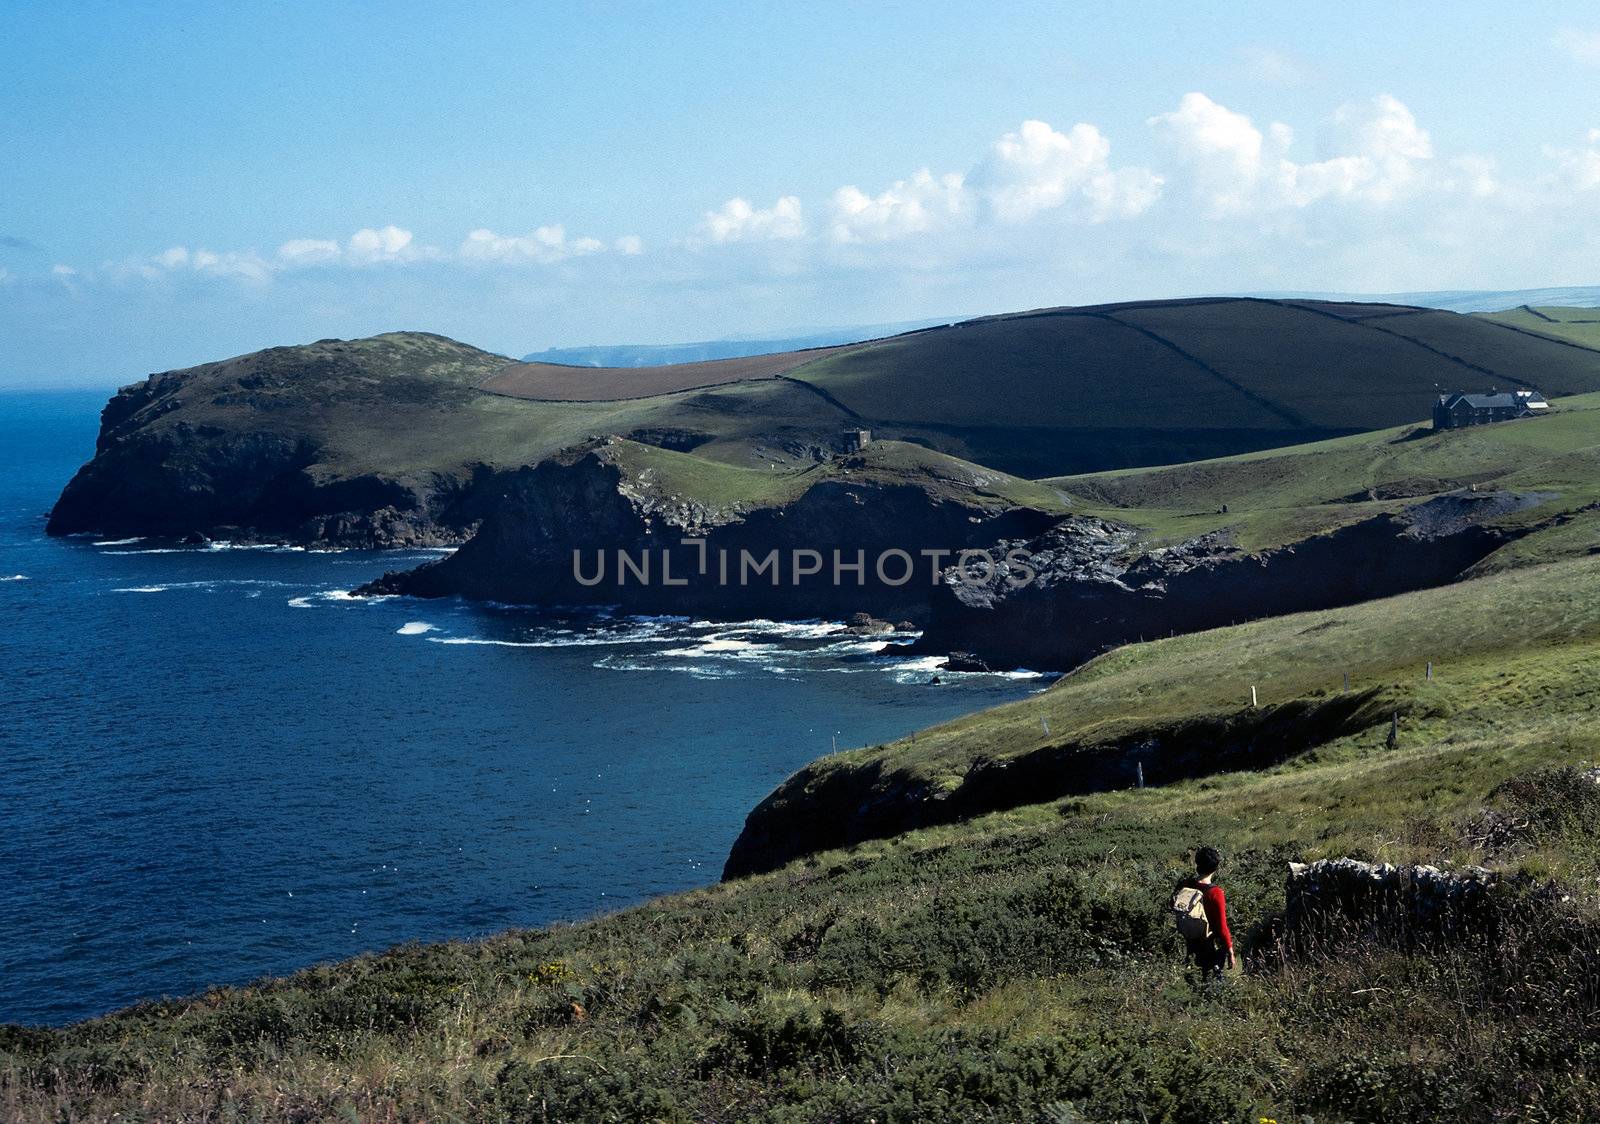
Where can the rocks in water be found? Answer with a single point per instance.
(963, 661)
(865, 624)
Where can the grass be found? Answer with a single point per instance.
(1490, 641)
(1575, 325)
(1281, 495)
(1240, 364)
(1015, 963)
(1017, 966)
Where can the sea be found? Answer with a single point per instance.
(218, 765)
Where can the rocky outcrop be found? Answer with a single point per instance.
(836, 803)
(281, 445)
(1090, 588)
(589, 528)
(1338, 899)
(206, 481)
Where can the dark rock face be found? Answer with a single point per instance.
(578, 530)
(238, 449)
(217, 484)
(1090, 591)
(825, 806)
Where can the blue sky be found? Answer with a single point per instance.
(182, 181)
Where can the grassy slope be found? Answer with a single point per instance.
(672, 476)
(1465, 629)
(1031, 393)
(1575, 325)
(1244, 364)
(1278, 496)
(988, 969)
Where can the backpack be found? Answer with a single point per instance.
(1189, 911)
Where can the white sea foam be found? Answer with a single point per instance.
(14, 578)
(697, 670)
(415, 628)
(119, 542)
(277, 547)
(331, 596)
(143, 589)
(481, 640)
(725, 648)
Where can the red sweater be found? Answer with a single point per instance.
(1216, 904)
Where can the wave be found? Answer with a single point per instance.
(118, 542)
(481, 640)
(208, 586)
(14, 578)
(697, 670)
(415, 628)
(330, 596)
(275, 547)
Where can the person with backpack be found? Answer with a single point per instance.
(1201, 910)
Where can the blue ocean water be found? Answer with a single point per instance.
(215, 765)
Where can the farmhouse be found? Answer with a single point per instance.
(1453, 411)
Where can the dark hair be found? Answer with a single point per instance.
(1206, 861)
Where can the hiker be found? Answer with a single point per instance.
(1201, 910)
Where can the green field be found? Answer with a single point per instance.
(1031, 394)
(1281, 495)
(1016, 966)
(1314, 367)
(1575, 325)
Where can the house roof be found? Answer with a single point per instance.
(1504, 400)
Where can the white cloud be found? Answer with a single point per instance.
(910, 206)
(1037, 168)
(1235, 168)
(1477, 175)
(390, 243)
(1578, 168)
(737, 221)
(1582, 45)
(629, 245)
(246, 265)
(1025, 174)
(545, 246)
(62, 270)
(308, 251)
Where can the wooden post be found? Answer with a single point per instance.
(1347, 681)
(1394, 731)
(1253, 702)
(1430, 669)
(836, 743)
(1139, 771)
(1044, 723)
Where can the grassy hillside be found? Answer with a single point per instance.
(1065, 390)
(1281, 495)
(673, 477)
(1259, 373)
(1575, 325)
(1019, 966)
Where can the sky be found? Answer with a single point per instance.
(181, 182)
